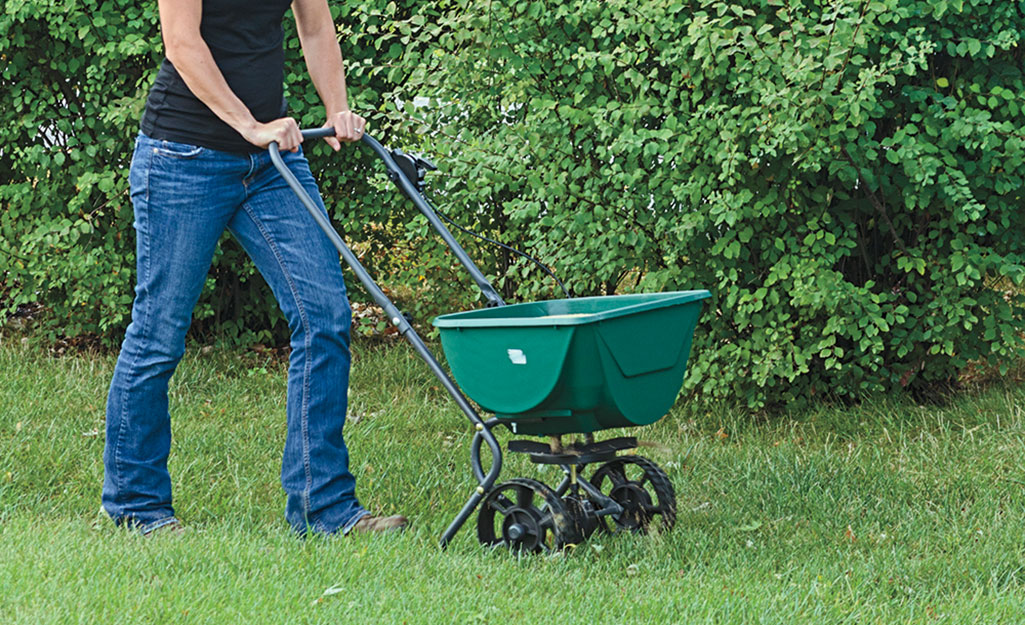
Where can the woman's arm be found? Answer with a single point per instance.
(185, 48)
(324, 61)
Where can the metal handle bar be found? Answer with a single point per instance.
(397, 319)
(318, 133)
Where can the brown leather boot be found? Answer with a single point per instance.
(395, 523)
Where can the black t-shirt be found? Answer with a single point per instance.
(246, 40)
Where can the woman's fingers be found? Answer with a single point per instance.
(332, 141)
(289, 135)
(284, 131)
(349, 127)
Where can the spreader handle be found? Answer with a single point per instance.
(398, 319)
(318, 133)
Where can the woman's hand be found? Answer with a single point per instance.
(348, 128)
(284, 130)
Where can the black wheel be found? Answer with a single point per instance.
(524, 515)
(642, 488)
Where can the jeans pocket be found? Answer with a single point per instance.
(173, 149)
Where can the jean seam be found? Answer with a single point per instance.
(146, 528)
(351, 523)
(135, 357)
(307, 357)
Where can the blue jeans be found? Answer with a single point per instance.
(184, 197)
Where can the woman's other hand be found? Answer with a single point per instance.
(284, 130)
(348, 127)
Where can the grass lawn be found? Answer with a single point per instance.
(883, 513)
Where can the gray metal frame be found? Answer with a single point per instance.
(483, 429)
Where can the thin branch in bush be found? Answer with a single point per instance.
(854, 37)
(876, 202)
(829, 46)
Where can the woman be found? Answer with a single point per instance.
(200, 166)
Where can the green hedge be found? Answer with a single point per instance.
(846, 179)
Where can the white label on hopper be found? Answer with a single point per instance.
(516, 356)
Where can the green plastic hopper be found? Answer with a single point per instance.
(574, 365)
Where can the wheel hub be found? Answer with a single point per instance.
(634, 500)
(521, 528)
(585, 521)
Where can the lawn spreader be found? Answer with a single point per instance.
(556, 369)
